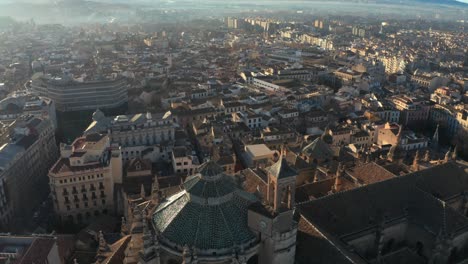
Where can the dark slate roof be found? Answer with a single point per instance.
(187, 218)
(297, 162)
(313, 248)
(205, 187)
(38, 251)
(404, 256)
(94, 137)
(419, 195)
(210, 169)
(281, 169)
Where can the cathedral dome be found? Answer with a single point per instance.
(210, 215)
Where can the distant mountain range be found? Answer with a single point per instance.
(402, 2)
(440, 2)
(92, 11)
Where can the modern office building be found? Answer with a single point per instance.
(75, 101)
(71, 95)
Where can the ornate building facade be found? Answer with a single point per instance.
(82, 180)
(140, 136)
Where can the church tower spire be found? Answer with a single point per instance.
(123, 227)
(103, 248)
(454, 153)
(447, 156)
(427, 156)
(415, 166)
(142, 191)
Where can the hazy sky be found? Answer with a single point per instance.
(42, 1)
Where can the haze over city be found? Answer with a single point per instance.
(233, 132)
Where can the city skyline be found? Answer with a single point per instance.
(238, 132)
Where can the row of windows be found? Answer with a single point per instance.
(83, 178)
(254, 120)
(79, 216)
(185, 171)
(85, 197)
(235, 109)
(83, 188)
(86, 205)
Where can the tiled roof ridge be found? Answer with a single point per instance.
(222, 213)
(329, 241)
(116, 246)
(226, 223)
(198, 227)
(382, 167)
(445, 208)
(427, 196)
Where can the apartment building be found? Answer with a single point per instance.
(413, 111)
(21, 103)
(184, 160)
(249, 118)
(27, 151)
(82, 180)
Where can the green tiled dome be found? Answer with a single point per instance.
(211, 213)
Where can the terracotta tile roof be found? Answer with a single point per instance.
(66, 245)
(370, 173)
(315, 190)
(320, 189)
(117, 251)
(63, 165)
(252, 180)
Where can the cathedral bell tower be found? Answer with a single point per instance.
(275, 226)
(281, 186)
